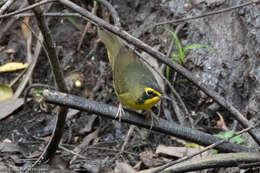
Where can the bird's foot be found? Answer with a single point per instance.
(155, 119)
(120, 112)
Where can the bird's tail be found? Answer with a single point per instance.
(112, 43)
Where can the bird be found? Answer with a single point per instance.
(134, 83)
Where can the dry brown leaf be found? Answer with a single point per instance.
(177, 151)
(13, 66)
(25, 29)
(221, 122)
(6, 92)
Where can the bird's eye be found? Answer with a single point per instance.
(149, 92)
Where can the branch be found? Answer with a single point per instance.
(113, 12)
(27, 8)
(214, 161)
(59, 79)
(198, 153)
(131, 117)
(6, 6)
(253, 2)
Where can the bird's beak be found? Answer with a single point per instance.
(165, 97)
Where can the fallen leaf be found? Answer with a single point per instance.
(178, 151)
(6, 92)
(221, 122)
(13, 66)
(24, 27)
(9, 106)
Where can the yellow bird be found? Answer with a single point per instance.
(134, 83)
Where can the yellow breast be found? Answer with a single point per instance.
(129, 101)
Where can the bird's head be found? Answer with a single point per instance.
(149, 97)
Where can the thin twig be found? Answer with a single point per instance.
(113, 12)
(129, 133)
(88, 25)
(30, 70)
(253, 2)
(6, 6)
(202, 151)
(225, 160)
(59, 81)
(51, 14)
(17, 78)
(10, 22)
(27, 8)
(72, 152)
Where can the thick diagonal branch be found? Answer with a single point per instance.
(130, 117)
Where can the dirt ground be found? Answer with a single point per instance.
(233, 72)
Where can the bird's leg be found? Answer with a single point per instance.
(120, 112)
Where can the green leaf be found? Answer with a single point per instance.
(214, 151)
(178, 43)
(220, 136)
(173, 55)
(95, 4)
(238, 139)
(228, 134)
(199, 45)
(176, 58)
